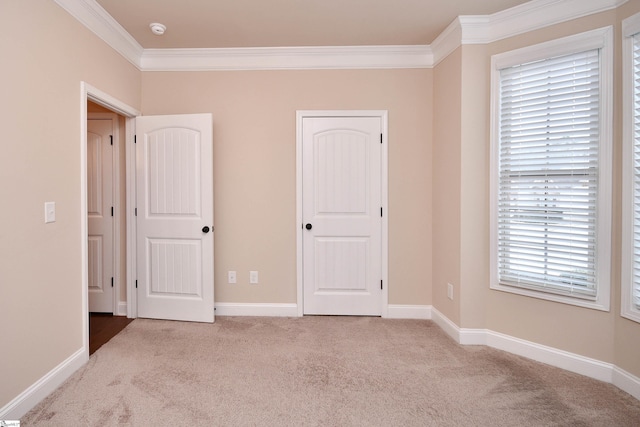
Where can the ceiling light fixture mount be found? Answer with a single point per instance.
(157, 29)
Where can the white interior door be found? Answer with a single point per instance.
(341, 210)
(100, 215)
(174, 179)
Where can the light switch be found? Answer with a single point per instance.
(49, 212)
(253, 277)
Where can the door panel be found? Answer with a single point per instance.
(100, 221)
(175, 201)
(341, 203)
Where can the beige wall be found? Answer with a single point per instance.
(627, 333)
(474, 233)
(447, 82)
(44, 60)
(254, 134)
(438, 185)
(578, 330)
(600, 335)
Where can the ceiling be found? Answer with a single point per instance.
(279, 23)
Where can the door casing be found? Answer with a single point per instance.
(383, 116)
(90, 93)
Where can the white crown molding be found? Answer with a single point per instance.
(479, 29)
(96, 19)
(448, 41)
(631, 25)
(535, 15)
(287, 58)
(476, 29)
(530, 16)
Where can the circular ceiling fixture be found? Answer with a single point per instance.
(157, 29)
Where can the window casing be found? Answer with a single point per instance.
(551, 170)
(630, 304)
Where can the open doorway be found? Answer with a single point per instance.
(118, 308)
(195, 241)
(106, 223)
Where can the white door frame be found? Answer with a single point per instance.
(90, 93)
(115, 183)
(383, 115)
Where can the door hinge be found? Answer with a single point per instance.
(111, 210)
(135, 139)
(380, 138)
(380, 284)
(135, 212)
(112, 282)
(111, 138)
(381, 211)
(136, 284)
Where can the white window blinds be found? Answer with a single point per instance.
(549, 113)
(636, 172)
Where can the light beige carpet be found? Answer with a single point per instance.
(328, 371)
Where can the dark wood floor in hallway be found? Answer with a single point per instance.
(103, 327)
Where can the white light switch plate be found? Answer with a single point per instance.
(231, 277)
(49, 212)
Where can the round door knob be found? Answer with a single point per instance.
(308, 226)
(205, 229)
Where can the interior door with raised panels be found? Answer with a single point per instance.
(342, 235)
(174, 179)
(100, 215)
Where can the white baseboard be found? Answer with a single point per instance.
(291, 310)
(399, 311)
(572, 362)
(592, 368)
(122, 309)
(29, 398)
(626, 382)
(551, 356)
(243, 309)
(445, 324)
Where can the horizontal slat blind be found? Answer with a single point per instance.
(548, 174)
(636, 174)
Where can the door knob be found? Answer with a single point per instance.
(205, 229)
(308, 226)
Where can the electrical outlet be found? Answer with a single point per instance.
(231, 277)
(450, 291)
(253, 277)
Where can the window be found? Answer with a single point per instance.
(631, 170)
(551, 170)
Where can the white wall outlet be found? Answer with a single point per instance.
(450, 291)
(231, 276)
(49, 212)
(253, 277)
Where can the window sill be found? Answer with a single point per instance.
(598, 304)
(632, 314)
